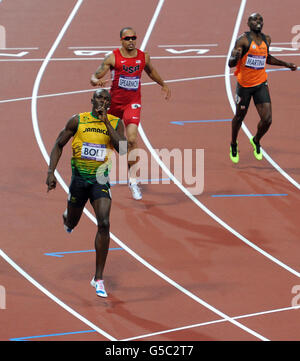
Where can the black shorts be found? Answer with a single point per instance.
(260, 94)
(80, 191)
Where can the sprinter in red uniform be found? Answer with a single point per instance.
(126, 65)
(250, 56)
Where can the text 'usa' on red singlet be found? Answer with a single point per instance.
(126, 78)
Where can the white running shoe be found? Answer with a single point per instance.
(67, 229)
(99, 285)
(136, 191)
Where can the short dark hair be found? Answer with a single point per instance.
(100, 91)
(127, 28)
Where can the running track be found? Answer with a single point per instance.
(221, 265)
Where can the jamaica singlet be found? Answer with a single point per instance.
(126, 78)
(250, 70)
(91, 147)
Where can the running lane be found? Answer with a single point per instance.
(167, 229)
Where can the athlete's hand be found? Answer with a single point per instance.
(167, 92)
(237, 53)
(51, 181)
(98, 82)
(102, 112)
(292, 66)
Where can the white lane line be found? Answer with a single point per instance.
(210, 323)
(232, 103)
(150, 148)
(46, 156)
(202, 206)
(185, 45)
(34, 118)
(92, 90)
(54, 298)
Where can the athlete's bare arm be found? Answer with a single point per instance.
(241, 44)
(271, 60)
(64, 136)
(153, 74)
(108, 63)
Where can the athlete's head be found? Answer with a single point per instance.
(101, 100)
(128, 38)
(255, 22)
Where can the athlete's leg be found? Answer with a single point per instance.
(262, 102)
(242, 101)
(72, 216)
(102, 211)
(241, 111)
(77, 199)
(131, 134)
(265, 113)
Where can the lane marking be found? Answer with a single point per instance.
(185, 45)
(211, 323)
(64, 186)
(143, 84)
(61, 254)
(165, 331)
(54, 298)
(92, 90)
(182, 122)
(232, 102)
(50, 335)
(201, 205)
(249, 195)
(33, 109)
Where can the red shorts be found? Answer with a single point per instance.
(129, 113)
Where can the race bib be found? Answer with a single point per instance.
(255, 61)
(93, 152)
(129, 82)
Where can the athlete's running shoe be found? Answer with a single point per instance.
(234, 153)
(256, 149)
(136, 191)
(67, 229)
(99, 285)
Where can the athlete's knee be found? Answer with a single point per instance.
(103, 224)
(239, 117)
(131, 143)
(267, 119)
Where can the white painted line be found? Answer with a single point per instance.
(185, 45)
(92, 90)
(211, 323)
(54, 298)
(202, 206)
(232, 103)
(93, 47)
(60, 180)
(2, 254)
(19, 48)
(163, 166)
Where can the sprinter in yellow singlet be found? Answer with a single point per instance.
(95, 135)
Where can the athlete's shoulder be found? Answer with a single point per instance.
(84, 117)
(267, 38)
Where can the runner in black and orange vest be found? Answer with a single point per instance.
(250, 56)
